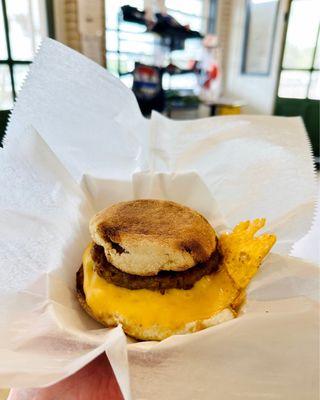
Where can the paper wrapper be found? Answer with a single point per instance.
(76, 143)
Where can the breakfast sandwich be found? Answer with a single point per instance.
(158, 268)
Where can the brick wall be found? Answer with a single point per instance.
(224, 18)
(72, 26)
(72, 34)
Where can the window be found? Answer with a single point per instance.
(129, 42)
(300, 74)
(22, 25)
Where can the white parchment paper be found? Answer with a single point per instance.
(76, 143)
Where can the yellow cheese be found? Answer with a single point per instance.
(148, 309)
(150, 314)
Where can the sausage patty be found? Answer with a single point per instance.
(160, 282)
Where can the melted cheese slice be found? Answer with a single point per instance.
(149, 314)
(150, 311)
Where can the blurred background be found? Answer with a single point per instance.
(184, 58)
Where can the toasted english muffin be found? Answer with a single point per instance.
(144, 237)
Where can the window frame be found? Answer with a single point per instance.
(9, 61)
(310, 69)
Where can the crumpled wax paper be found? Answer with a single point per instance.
(77, 142)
